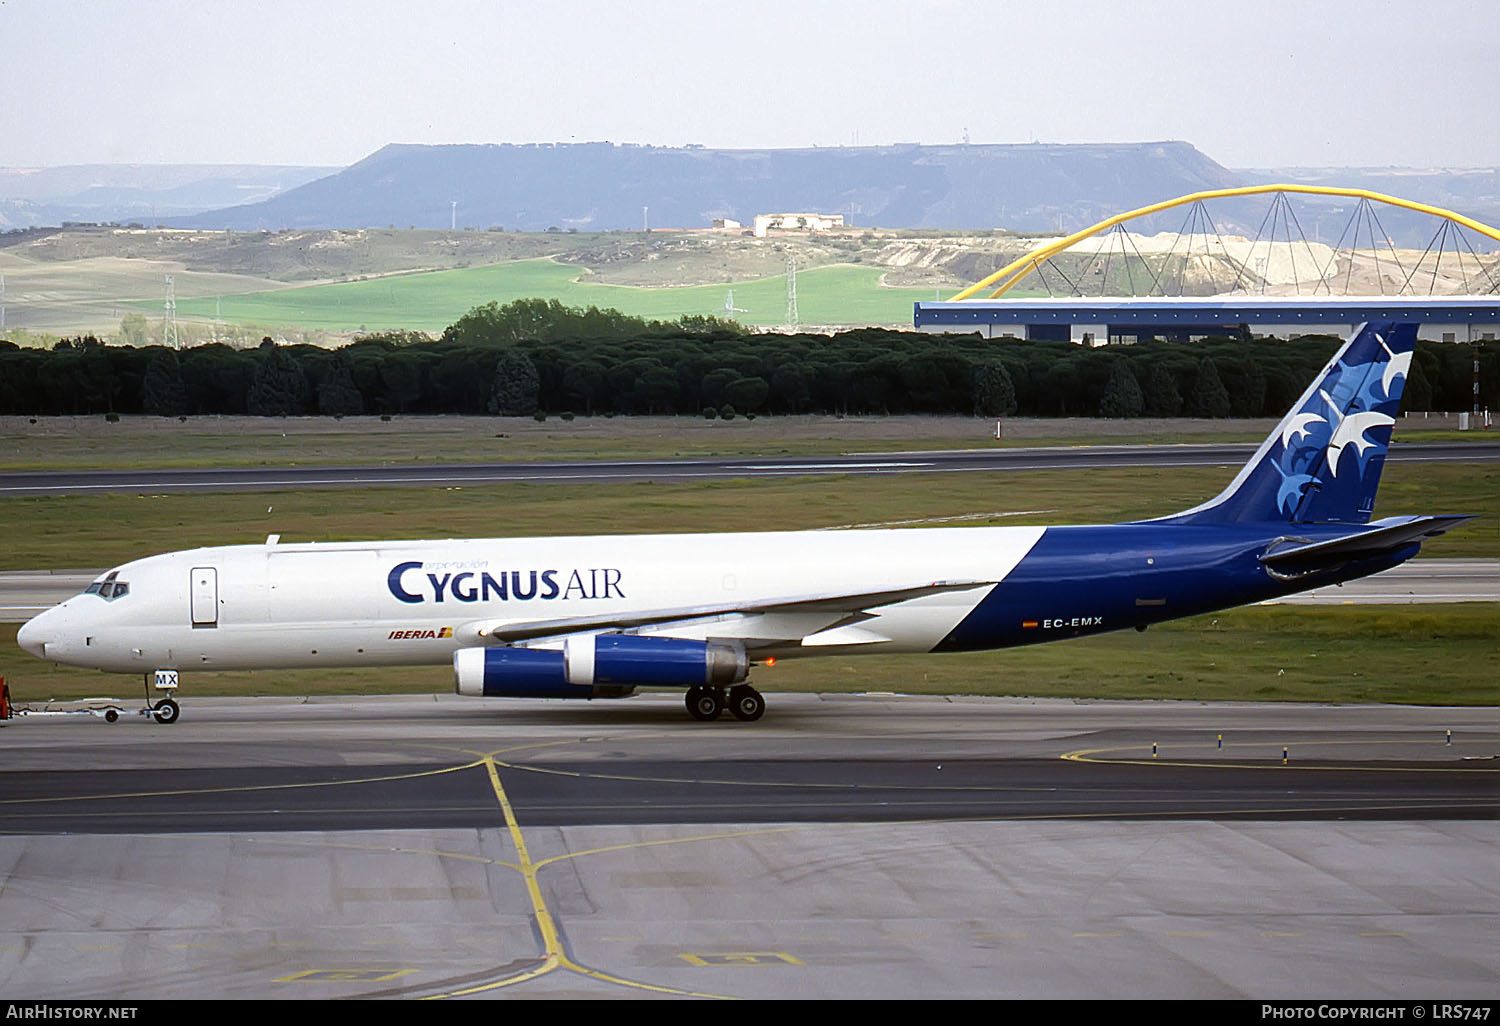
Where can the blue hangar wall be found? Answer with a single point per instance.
(1097, 321)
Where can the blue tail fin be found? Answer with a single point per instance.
(1322, 464)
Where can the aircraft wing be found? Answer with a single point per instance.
(826, 611)
(1383, 536)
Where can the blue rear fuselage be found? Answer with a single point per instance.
(1087, 580)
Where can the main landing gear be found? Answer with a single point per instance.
(707, 703)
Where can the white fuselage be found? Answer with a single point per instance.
(414, 603)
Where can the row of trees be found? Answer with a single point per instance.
(535, 357)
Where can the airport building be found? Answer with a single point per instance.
(795, 222)
(1124, 320)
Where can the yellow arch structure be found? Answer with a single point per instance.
(1017, 269)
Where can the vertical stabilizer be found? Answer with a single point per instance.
(1322, 463)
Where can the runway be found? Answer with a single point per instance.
(221, 479)
(1417, 581)
(653, 788)
(844, 846)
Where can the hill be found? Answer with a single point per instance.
(147, 193)
(604, 187)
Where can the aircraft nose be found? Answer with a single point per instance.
(33, 636)
(30, 638)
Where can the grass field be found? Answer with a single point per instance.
(93, 294)
(840, 294)
(1421, 655)
(86, 280)
(77, 443)
(101, 530)
(68, 443)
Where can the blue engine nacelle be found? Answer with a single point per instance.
(596, 666)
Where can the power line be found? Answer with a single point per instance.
(791, 290)
(169, 317)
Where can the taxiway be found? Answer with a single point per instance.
(225, 479)
(845, 846)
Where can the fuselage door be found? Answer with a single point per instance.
(205, 592)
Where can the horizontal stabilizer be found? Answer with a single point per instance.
(507, 632)
(1382, 537)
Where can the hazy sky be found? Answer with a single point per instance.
(1258, 83)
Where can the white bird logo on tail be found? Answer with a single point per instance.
(1395, 366)
(1297, 426)
(1351, 431)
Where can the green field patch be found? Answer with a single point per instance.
(1424, 655)
(137, 441)
(430, 301)
(102, 530)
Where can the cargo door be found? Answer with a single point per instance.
(308, 586)
(205, 596)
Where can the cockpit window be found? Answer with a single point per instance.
(110, 588)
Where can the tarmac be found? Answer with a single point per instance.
(872, 847)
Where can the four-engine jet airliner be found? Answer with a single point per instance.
(597, 617)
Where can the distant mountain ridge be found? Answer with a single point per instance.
(148, 193)
(607, 187)
(1043, 188)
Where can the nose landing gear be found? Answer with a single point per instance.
(165, 709)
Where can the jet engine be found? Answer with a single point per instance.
(597, 666)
